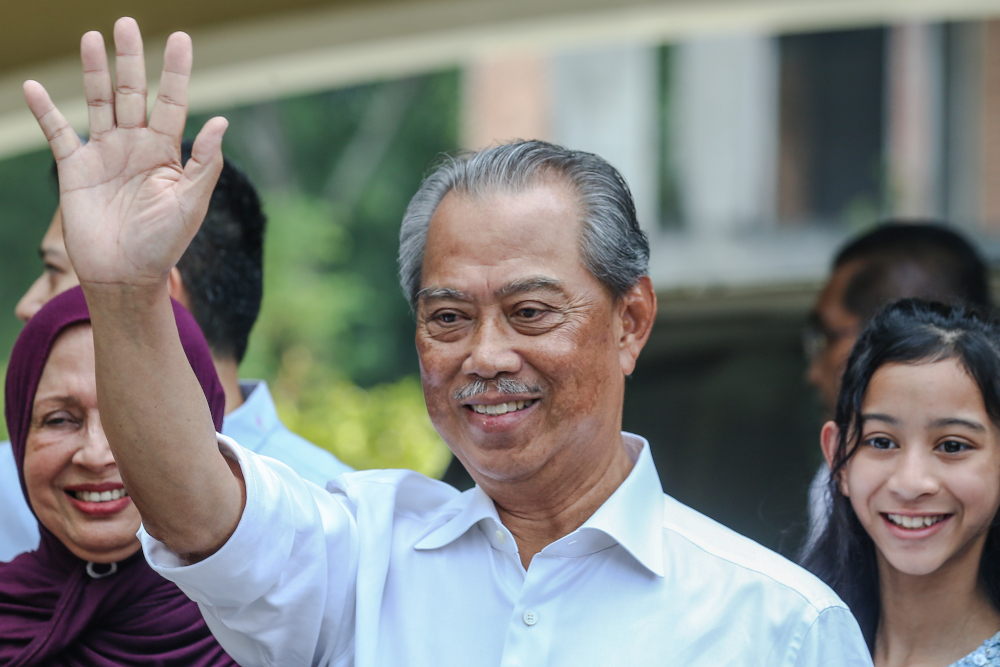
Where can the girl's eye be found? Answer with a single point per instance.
(880, 442)
(953, 446)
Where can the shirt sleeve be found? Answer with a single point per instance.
(281, 590)
(834, 640)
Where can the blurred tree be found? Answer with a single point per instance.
(336, 170)
(335, 337)
(28, 198)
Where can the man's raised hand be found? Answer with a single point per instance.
(129, 208)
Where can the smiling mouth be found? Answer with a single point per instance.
(915, 522)
(98, 496)
(502, 408)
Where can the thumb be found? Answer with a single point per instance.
(201, 172)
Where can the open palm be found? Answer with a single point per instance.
(129, 208)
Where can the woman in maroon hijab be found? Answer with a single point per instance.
(86, 597)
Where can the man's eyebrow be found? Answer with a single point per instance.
(442, 293)
(880, 418)
(529, 285)
(957, 421)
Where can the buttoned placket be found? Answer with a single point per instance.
(532, 622)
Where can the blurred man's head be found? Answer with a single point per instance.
(893, 261)
(219, 278)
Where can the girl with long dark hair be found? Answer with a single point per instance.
(912, 544)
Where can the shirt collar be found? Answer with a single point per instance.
(632, 517)
(473, 506)
(251, 423)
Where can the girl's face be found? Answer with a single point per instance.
(72, 479)
(925, 480)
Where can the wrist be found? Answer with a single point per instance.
(121, 300)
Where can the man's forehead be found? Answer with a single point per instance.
(512, 288)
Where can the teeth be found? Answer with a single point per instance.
(915, 522)
(502, 408)
(99, 496)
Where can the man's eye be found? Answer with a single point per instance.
(953, 446)
(447, 318)
(880, 443)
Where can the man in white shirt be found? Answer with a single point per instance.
(526, 269)
(224, 298)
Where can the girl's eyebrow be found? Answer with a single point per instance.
(888, 419)
(956, 421)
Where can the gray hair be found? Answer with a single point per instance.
(614, 247)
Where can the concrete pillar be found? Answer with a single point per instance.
(505, 97)
(989, 127)
(726, 132)
(605, 101)
(914, 117)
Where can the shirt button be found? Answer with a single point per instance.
(501, 538)
(529, 617)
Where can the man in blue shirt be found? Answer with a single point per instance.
(224, 296)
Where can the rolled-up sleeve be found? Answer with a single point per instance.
(282, 589)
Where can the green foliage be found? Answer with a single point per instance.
(336, 170)
(383, 427)
(28, 199)
(335, 337)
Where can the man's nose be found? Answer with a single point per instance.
(32, 301)
(94, 452)
(492, 351)
(913, 476)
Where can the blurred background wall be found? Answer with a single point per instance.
(757, 136)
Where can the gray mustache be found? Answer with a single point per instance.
(501, 385)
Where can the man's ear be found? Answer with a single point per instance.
(636, 312)
(179, 293)
(829, 439)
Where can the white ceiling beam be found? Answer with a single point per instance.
(301, 52)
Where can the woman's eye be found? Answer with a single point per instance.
(953, 446)
(59, 419)
(880, 443)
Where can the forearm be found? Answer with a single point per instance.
(158, 422)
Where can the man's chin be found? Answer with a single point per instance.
(501, 459)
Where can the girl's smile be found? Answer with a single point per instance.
(925, 480)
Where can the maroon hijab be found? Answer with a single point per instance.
(52, 612)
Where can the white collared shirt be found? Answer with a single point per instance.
(18, 526)
(254, 424)
(392, 568)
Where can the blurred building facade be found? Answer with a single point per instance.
(752, 157)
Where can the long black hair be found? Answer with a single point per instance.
(914, 332)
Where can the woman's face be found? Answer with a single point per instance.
(72, 480)
(925, 480)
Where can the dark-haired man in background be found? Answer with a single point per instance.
(893, 261)
(220, 280)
